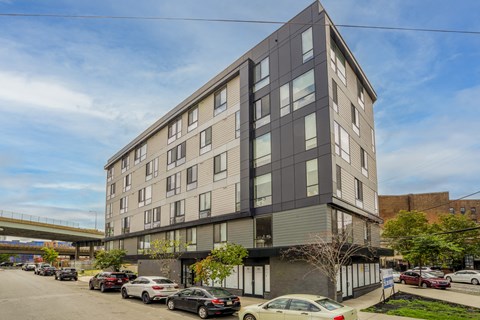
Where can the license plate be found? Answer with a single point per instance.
(229, 303)
(119, 281)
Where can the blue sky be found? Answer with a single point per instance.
(73, 92)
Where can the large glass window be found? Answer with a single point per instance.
(262, 111)
(110, 172)
(140, 152)
(176, 155)
(220, 167)
(261, 74)
(237, 124)
(364, 161)
(339, 181)
(192, 239)
(109, 232)
(156, 215)
(219, 234)
(355, 120)
(285, 99)
(359, 192)
(237, 196)
(303, 90)
(192, 118)
(143, 245)
(174, 130)
(310, 131)
(342, 142)
(205, 204)
(342, 224)
(127, 182)
(124, 204)
(312, 177)
(192, 177)
(126, 225)
(125, 163)
(206, 140)
(220, 101)
(335, 95)
(307, 45)
(262, 190)
(262, 150)
(177, 211)
(174, 184)
(151, 169)
(263, 232)
(144, 196)
(337, 62)
(360, 95)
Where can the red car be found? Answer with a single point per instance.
(108, 280)
(427, 280)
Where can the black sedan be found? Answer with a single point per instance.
(205, 301)
(46, 271)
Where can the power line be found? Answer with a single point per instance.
(105, 17)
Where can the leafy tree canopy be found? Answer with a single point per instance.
(49, 255)
(110, 259)
(424, 248)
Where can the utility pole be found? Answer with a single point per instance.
(95, 218)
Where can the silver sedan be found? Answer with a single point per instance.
(149, 288)
(467, 276)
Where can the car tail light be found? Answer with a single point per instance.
(157, 288)
(176, 286)
(217, 301)
(339, 318)
(236, 299)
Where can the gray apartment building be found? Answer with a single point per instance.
(278, 146)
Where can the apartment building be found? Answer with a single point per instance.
(278, 146)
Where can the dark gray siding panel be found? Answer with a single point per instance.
(241, 232)
(205, 238)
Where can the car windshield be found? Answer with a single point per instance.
(328, 304)
(117, 275)
(428, 275)
(219, 292)
(162, 281)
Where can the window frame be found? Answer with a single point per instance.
(260, 146)
(311, 181)
(307, 51)
(263, 199)
(220, 166)
(192, 118)
(192, 177)
(261, 111)
(205, 204)
(174, 130)
(299, 98)
(261, 74)
(310, 140)
(220, 101)
(206, 140)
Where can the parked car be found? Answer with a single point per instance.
(298, 306)
(28, 267)
(19, 264)
(66, 273)
(108, 281)
(467, 276)
(149, 288)
(427, 280)
(46, 271)
(435, 271)
(396, 276)
(6, 264)
(205, 301)
(38, 266)
(130, 274)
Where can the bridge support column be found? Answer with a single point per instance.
(77, 253)
(91, 251)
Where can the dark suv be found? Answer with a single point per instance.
(46, 271)
(38, 266)
(66, 273)
(108, 280)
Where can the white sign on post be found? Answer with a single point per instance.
(387, 278)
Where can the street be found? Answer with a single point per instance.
(25, 296)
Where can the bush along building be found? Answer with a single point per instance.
(278, 146)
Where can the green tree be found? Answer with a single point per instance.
(400, 231)
(165, 252)
(110, 259)
(219, 264)
(4, 257)
(49, 255)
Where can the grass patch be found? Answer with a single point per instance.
(413, 306)
(89, 272)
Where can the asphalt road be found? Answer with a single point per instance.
(25, 296)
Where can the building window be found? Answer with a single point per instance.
(364, 161)
(335, 95)
(373, 140)
(140, 153)
(175, 130)
(170, 241)
(219, 234)
(192, 239)
(310, 131)
(462, 210)
(303, 90)
(360, 95)
(262, 190)
(112, 190)
(192, 177)
(124, 204)
(339, 181)
(206, 140)
(176, 155)
(285, 99)
(220, 101)
(355, 120)
(263, 232)
(342, 224)
(473, 210)
(174, 184)
(205, 204)
(125, 163)
(147, 218)
(127, 182)
(126, 225)
(237, 196)
(261, 75)
(143, 245)
(120, 244)
(237, 124)
(192, 119)
(312, 177)
(262, 150)
(358, 193)
(109, 210)
(451, 210)
(307, 45)
(337, 62)
(144, 196)
(110, 172)
(151, 169)
(262, 112)
(220, 167)
(109, 229)
(342, 142)
(156, 216)
(367, 233)
(177, 212)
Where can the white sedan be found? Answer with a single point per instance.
(468, 276)
(149, 288)
(298, 306)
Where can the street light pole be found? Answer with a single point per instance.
(95, 218)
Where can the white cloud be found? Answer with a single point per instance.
(69, 186)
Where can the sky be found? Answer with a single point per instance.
(75, 91)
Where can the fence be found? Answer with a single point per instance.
(28, 217)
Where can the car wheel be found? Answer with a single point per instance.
(171, 304)
(424, 285)
(475, 281)
(90, 286)
(75, 279)
(202, 312)
(402, 281)
(102, 288)
(449, 279)
(146, 298)
(124, 293)
(56, 278)
(249, 317)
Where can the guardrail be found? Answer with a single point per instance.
(28, 217)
